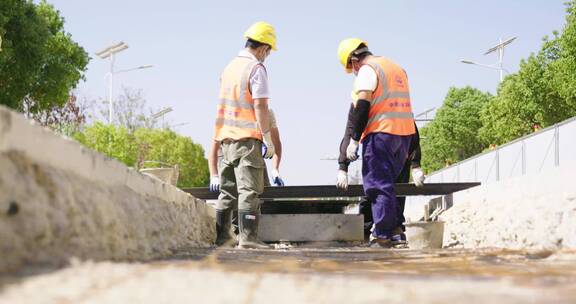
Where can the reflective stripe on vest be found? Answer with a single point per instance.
(390, 109)
(236, 117)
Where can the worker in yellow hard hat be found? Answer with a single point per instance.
(243, 131)
(381, 119)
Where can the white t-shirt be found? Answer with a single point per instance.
(258, 79)
(366, 80)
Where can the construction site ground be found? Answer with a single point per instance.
(309, 274)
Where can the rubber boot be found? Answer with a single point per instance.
(248, 237)
(223, 237)
(235, 222)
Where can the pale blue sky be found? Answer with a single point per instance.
(190, 42)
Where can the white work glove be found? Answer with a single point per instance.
(352, 150)
(276, 179)
(342, 180)
(269, 149)
(214, 184)
(418, 177)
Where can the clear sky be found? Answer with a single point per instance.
(190, 42)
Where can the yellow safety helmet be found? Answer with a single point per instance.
(346, 47)
(262, 32)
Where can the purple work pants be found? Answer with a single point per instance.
(383, 157)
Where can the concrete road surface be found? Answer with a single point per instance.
(307, 275)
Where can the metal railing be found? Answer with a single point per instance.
(549, 148)
(552, 147)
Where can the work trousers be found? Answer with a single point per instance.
(241, 176)
(383, 155)
(266, 184)
(366, 206)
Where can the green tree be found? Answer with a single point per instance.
(543, 92)
(39, 60)
(166, 146)
(563, 70)
(453, 135)
(156, 145)
(115, 142)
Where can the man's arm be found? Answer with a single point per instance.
(414, 157)
(415, 152)
(213, 166)
(360, 114)
(263, 120)
(343, 161)
(259, 89)
(213, 158)
(278, 147)
(262, 114)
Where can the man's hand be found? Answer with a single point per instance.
(342, 180)
(269, 149)
(276, 179)
(418, 177)
(352, 150)
(214, 184)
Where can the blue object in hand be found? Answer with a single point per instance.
(278, 181)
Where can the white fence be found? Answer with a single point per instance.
(552, 147)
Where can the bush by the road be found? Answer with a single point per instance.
(161, 145)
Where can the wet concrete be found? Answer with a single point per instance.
(534, 266)
(311, 275)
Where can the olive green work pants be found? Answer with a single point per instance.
(241, 175)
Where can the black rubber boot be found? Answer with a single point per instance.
(223, 237)
(248, 237)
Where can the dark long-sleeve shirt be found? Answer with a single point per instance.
(414, 153)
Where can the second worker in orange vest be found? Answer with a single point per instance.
(384, 123)
(242, 127)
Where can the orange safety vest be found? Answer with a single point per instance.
(236, 118)
(390, 109)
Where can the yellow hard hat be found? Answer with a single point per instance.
(346, 47)
(262, 32)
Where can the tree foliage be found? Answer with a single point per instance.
(542, 93)
(66, 120)
(158, 145)
(166, 146)
(39, 60)
(453, 135)
(115, 142)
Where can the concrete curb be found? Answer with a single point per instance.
(59, 200)
(528, 212)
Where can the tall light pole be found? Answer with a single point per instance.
(110, 52)
(161, 113)
(497, 48)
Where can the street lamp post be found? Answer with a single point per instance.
(161, 113)
(500, 65)
(110, 52)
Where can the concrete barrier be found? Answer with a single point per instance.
(311, 227)
(529, 212)
(59, 200)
